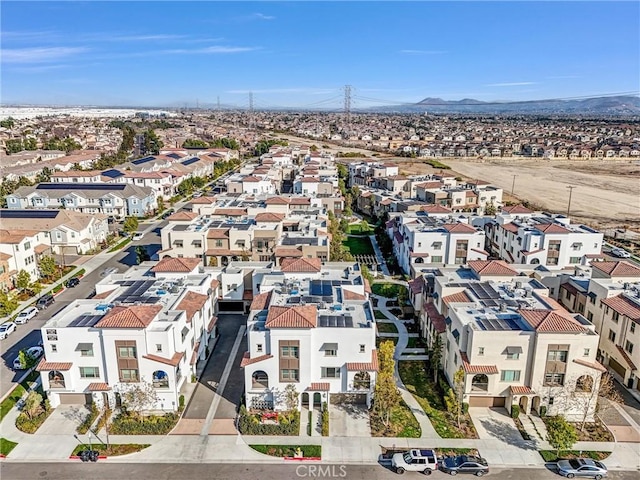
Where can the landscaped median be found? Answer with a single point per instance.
(110, 451)
(120, 245)
(554, 456)
(17, 393)
(6, 446)
(291, 452)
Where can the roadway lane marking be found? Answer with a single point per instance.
(223, 382)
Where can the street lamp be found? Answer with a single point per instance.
(570, 187)
(513, 184)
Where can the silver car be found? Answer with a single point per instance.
(582, 467)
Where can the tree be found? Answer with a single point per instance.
(561, 435)
(7, 304)
(139, 398)
(160, 201)
(403, 297)
(130, 225)
(7, 123)
(291, 397)
(26, 361)
(458, 388)
(490, 209)
(313, 148)
(35, 288)
(152, 144)
(47, 266)
(364, 226)
(194, 143)
(23, 279)
(44, 175)
(435, 356)
(141, 254)
(32, 404)
(593, 394)
(386, 396)
(366, 273)
(13, 145)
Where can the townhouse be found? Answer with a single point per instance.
(151, 324)
(112, 199)
(515, 344)
(310, 325)
(160, 182)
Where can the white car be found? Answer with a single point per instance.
(7, 329)
(620, 253)
(197, 195)
(33, 352)
(415, 460)
(26, 315)
(138, 236)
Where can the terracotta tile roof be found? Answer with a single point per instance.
(261, 301)
(134, 316)
(247, 295)
(182, 216)
(247, 360)
(371, 366)
(302, 316)
(595, 365)
(215, 283)
(288, 252)
(468, 368)
(510, 227)
(41, 248)
(223, 251)
(204, 200)
(300, 201)
(569, 287)
(177, 265)
(492, 267)
(349, 295)
(436, 318)
(218, 233)
(98, 387)
(516, 209)
(386, 201)
(270, 217)
(431, 186)
(482, 252)
(435, 209)
(548, 321)
(459, 228)
(624, 306)
(367, 286)
(626, 357)
(194, 354)
(552, 228)
(521, 390)
(301, 265)
(232, 212)
(617, 269)
(460, 297)
(527, 253)
(4, 256)
(212, 323)
(103, 295)
(45, 366)
(191, 303)
(276, 201)
(416, 285)
(318, 387)
(173, 361)
(251, 179)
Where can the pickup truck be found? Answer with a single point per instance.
(415, 460)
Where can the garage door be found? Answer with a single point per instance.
(231, 307)
(486, 401)
(357, 398)
(616, 367)
(75, 398)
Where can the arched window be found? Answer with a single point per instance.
(419, 260)
(56, 379)
(584, 384)
(362, 381)
(535, 261)
(260, 379)
(160, 379)
(480, 382)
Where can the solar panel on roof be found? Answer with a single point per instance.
(85, 321)
(83, 186)
(38, 214)
(174, 155)
(190, 161)
(143, 160)
(112, 173)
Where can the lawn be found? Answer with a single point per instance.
(379, 315)
(356, 229)
(6, 446)
(289, 450)
(403, 424)
(552, 456)
(120, 245)
(17, 393)
(387, 327)
(389, 290)
(379, 340)
(359, 245)
(416, 342)
(430, 396)
(113, 450)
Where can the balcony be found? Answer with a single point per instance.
(361, 385)
(56, 384)
(479, 387)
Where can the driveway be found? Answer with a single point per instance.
(495, 424)
(64, 420)
(349, 420)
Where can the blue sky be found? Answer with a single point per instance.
(302, 53)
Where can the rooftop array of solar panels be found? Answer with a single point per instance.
(85, 321)
(143, 160)
(112, 173)
(82, 186)
(190, 161)
(345, 321)
(135, 292)
(31, 214)
(499, 323)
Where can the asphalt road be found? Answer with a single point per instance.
(103, 470)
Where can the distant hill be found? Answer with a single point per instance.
(616, 105)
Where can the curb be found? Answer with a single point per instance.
(77, 457)
(302, 459)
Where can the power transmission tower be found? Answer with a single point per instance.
(251, 110)
(347, 108)
(218, 103)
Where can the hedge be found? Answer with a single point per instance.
(125, 424)
(31, 425)
(515, 410)
(325, 420)
(249, 424)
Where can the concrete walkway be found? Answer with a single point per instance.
(379, 257)
(403, 339)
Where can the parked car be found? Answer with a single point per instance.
(73, 282)
(465, 464)
(44, 301)
(582, 467)
(108, 271)
(415, 460)
(26, 315)
(33, 352)
(7, 329)
(138, 236)
(620, 253)
(197, 195)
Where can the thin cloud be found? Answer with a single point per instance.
(422, 52)
(39, 68)
(216, 49)
(39, 54)
(262, 16)
(510, 84)
(142, 38)
(306, 90)
(563, 76)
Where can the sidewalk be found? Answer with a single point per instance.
(379, 257)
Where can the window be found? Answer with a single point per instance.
(550, 400)
(436, 259)
(632, 327)
(575, 259)
(436, 245)
(510, 375)
(557, 356)
(330, 372)
(290, 352)
(178, 243)
(27, 245)
(89, 372)
(128, 375)
(612, 335)
(590, 316)
(218, 243)
(259, 348)
(127, 352)
(331, 353)
(615, 317)
(197, 244)
(289, 375)
(554, 379)
(586, 352)
(362, 348)
(513, 355)
(628, 346)
(86, 351)
(54, 347)
(481, 351)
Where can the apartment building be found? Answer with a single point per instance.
(422, 238)
(515, 344)
(519, 235)
(364, 173)
(111, 199)
(311, 326)
(150, 324)
(160, 182)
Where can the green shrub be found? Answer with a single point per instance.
(309, 426)
(325, 420)
(125, 424)
(31, 425)
(89, 419)
(181, 402)
(249, 424)
(543, 410)
(465, 408)
(102, 421)
(515, 410)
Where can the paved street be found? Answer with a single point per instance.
(104, 470)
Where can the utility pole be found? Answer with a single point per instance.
(513, 184)
(218, 103)
(570, 187)
(347, 108)
(251, 110)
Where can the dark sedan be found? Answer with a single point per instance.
(73, 282)
(465, 464)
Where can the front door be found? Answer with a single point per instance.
(317, 399)
(305, 399)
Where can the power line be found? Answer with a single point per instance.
(347, 107)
